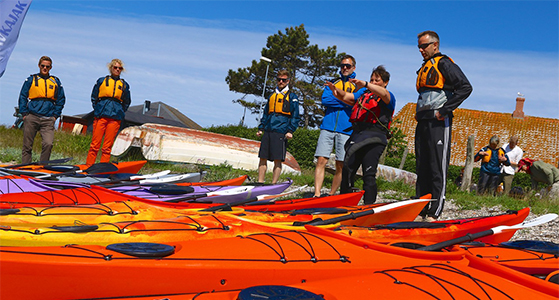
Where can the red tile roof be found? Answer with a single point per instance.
(538, 137)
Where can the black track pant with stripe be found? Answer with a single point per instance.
(432, 150)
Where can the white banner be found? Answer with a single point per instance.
(12, 13)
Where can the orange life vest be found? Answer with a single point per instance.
(111, 88)
(489, 151)
(429, 75)
(344, 85)
(279, 103)
(44, 89)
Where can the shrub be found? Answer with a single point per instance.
(394, 161)
(302, 146)
(235, 130)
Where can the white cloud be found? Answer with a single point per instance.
(185, 64)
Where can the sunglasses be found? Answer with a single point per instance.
(46, 66)
(118, 68)
(283, 79)
(347, 66)
(423, 46)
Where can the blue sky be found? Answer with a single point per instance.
(179, 52)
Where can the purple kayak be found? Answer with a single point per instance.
(215, 194)
(10, 186)
(166, 192)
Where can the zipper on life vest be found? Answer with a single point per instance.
(114, 86)
(114, 89)
(46, 89)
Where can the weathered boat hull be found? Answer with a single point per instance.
(168, 143)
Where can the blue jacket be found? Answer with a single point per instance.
(337, 113)
(279, 122)
(108, 107)
(44, 108)
(493, 166)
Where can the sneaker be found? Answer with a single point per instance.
(324, 195)
(419, 219)
(308, 195)
(430, 219)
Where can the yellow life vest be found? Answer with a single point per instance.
(345, 86)
(429, 76)
(487, 158)
(42, 88)
(279, 103)
(111, 88)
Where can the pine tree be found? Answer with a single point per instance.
(309, 66)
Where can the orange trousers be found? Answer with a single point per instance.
(102, 127)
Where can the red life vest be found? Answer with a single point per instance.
(366, 109)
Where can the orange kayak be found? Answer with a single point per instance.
(214, 264)
(439, 230)
(132, 211)
(223, 268)
(279, 205)
(131, 167)
(535, 258)
(470, 278)
(94, 214)
(234, 181)
(98, 195)
(188, 226)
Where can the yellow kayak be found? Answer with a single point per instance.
(188, 226)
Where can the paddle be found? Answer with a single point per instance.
(232, 191)
(351, 216)
(258, 200)
(228, 206)
(495, 230)
(248, 201)
(132, 179)
(47, 162)
(93, 169)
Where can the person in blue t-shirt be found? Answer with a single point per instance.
(335, 128)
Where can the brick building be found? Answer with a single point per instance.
(539, 137)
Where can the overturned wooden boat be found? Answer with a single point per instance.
(385, 172)
(175, 144)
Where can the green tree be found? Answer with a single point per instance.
(309, 66)
(397, 143)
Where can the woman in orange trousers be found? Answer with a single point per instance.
(110, 99)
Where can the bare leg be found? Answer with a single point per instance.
(262, 167)
(319, 174)
(337, 177)
(277, 171)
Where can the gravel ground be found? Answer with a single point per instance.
(548, 232)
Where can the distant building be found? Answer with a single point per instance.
(158, 113)
(164, 111)
(539, 137)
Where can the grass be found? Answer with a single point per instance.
(76, 146)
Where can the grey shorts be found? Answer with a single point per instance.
(329, 139)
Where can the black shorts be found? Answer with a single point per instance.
(273, 146)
